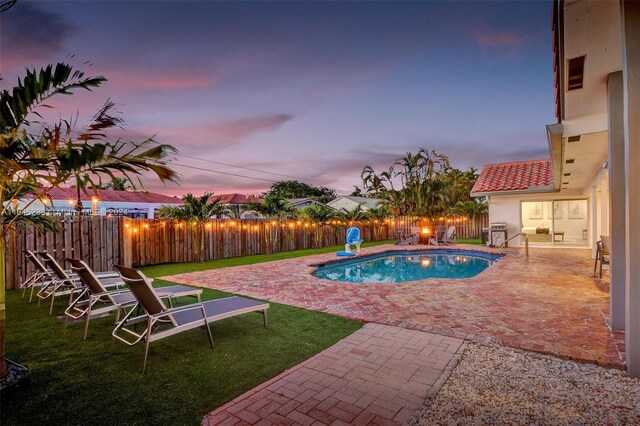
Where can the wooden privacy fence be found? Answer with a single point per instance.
(117, 240)
(102, 245)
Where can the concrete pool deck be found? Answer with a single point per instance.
(548, 303)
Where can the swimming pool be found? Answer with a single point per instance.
(404, 266)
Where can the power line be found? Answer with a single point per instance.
(222, 173)
(241, 167)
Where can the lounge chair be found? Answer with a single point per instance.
(97, 301)
(448, 237)
(41, 277)
(163, 322)
(353, 239)
(65, 283)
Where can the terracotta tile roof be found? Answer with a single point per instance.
(237, 198)
(108, 195)
(514, 176)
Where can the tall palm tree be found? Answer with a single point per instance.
(357, 214)
(38, 163)
(321, 216)
(195, 211)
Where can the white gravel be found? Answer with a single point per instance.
(496, 385)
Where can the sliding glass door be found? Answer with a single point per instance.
(556, 222)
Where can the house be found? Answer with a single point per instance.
(303, 203)
(135, 204)
(235, 203)
(349, 203)
(590, 184)
(523, 195)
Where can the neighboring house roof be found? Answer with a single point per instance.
(237, 198)
(366, 201)
(295, 202)
(517, 176)
(109, 195)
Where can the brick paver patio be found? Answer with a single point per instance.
(378, 375)
(549, 303)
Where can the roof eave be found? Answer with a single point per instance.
(534, 190)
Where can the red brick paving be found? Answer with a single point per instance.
(378, 375)
(549, 303)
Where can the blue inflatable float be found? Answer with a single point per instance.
(345, 253)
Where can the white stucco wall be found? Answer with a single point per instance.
(507, 208)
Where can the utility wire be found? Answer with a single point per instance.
(222, 173)
(240, 167)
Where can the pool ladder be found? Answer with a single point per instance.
(516, 252)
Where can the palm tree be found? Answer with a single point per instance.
(38, 163)
(195, 211)
(358, 214)
(120, 184)
(378, 216)
(321, 216)
(432, 162)
(275, 209)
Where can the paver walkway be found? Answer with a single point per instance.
(549, 303)
(378, 375)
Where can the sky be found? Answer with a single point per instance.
(312, 91)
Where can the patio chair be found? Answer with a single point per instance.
(602, 253)
(65, 283)
(353, 239)
(448, 237)
(41, 276)
(97, 301)
(443, 236)
(409, 235)
(163, 322)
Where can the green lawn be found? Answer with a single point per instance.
(180, 268)
(81, 382)
(475, 241)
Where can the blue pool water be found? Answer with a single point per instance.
(398, 267)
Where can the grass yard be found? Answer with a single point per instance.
(81, 382)
(474, 241)
(181, 268)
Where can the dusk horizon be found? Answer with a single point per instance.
(253, 93)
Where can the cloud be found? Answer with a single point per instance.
(232, 132)
(30, 35)
(165, 80)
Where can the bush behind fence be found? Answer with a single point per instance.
(139, 242)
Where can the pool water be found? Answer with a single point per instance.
(398, 267)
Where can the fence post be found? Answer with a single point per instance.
(127, 244)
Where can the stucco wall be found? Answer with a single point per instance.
(507, 208)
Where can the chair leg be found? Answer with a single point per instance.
(265, 318)
(146, 354)
(53, 298)
(601, 259)
(206, 325)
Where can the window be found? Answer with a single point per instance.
(575, 73)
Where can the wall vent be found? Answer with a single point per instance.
(570, 161)
(575, 74)
(574, 138)
(567, 174)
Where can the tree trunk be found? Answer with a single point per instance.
(3, 364)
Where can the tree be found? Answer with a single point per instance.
(321, 216)
(195, 211)
(358, 214)
(296, 189)
(275, 209)
(35, 164)
(378, 215)
(119, 184)
(357, 192)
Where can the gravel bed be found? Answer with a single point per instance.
(499, 385)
